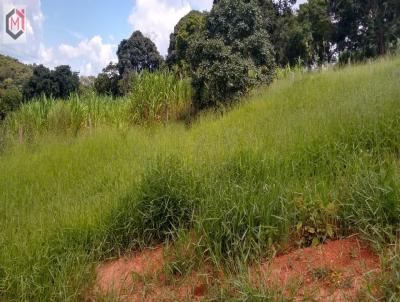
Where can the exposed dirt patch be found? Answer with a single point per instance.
(142, 277)
(331, 272)
(334, 271)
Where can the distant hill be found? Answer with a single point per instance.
(13, 73)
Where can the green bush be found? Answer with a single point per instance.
(232, 55)
(221, 78)
(10, 100)
(162, 205)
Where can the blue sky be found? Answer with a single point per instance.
(85, 33)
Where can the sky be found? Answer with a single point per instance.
(85, 33)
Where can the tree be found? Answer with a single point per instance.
(65, 81)
(40, 83)
(315, 20)
(232, 55)
(107, 81)
(280, 22)
(298, 47)
(10, 100)
(136, 54)
(365, 28)
(219, 75)
(186, 31)
(59, 83)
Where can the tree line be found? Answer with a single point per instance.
(239, 44)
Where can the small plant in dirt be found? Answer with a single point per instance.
(321, 273)
(182, 255)
(317, 222)
(385, 284)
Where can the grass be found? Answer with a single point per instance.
(313, 156)
(159, 97)
(155, 97)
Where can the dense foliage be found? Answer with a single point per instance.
(137, 54)
(314, 151)
(10, 100)
(59, 83)
(321, 31)
(186, 31)
(232, 55)
(13, 73)
(107, 82)
(365, 28)
(13, 76)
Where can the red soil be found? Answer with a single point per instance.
(142, 278)
(331, 272)
(334, 271)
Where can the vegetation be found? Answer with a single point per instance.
(107, 82)
(314, 156)
(156, 97)
(365, 29)
(159, 96)
(94, 170)
(13, 73)
(10, 100)
(13, 76)
(186, 31)
(58, 83)
(137, 54)
(233, 55)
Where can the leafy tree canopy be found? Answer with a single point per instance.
(186, 31)
(59, 83)
(233, 54)
(107, 81)
(137, 54)
(365, 28)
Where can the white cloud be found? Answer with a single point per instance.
(157, 18)
(87, 69)
(29, 51)
(46, 55)
(201, 5)
(38, 17)
(299, 2)
(90, 55)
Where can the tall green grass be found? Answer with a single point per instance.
(159, 97)
(314, 156)
(155, 97)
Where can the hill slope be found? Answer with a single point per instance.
(313, 157)
(13, 73)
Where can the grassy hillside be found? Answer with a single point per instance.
(13, 72)
(312, 157)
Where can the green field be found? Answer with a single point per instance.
(314, 150)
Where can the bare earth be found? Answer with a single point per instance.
(334, 271)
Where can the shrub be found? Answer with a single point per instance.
(107, 81)
(162, 205)
(233, 54)
(220, 78)
(10, 99)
